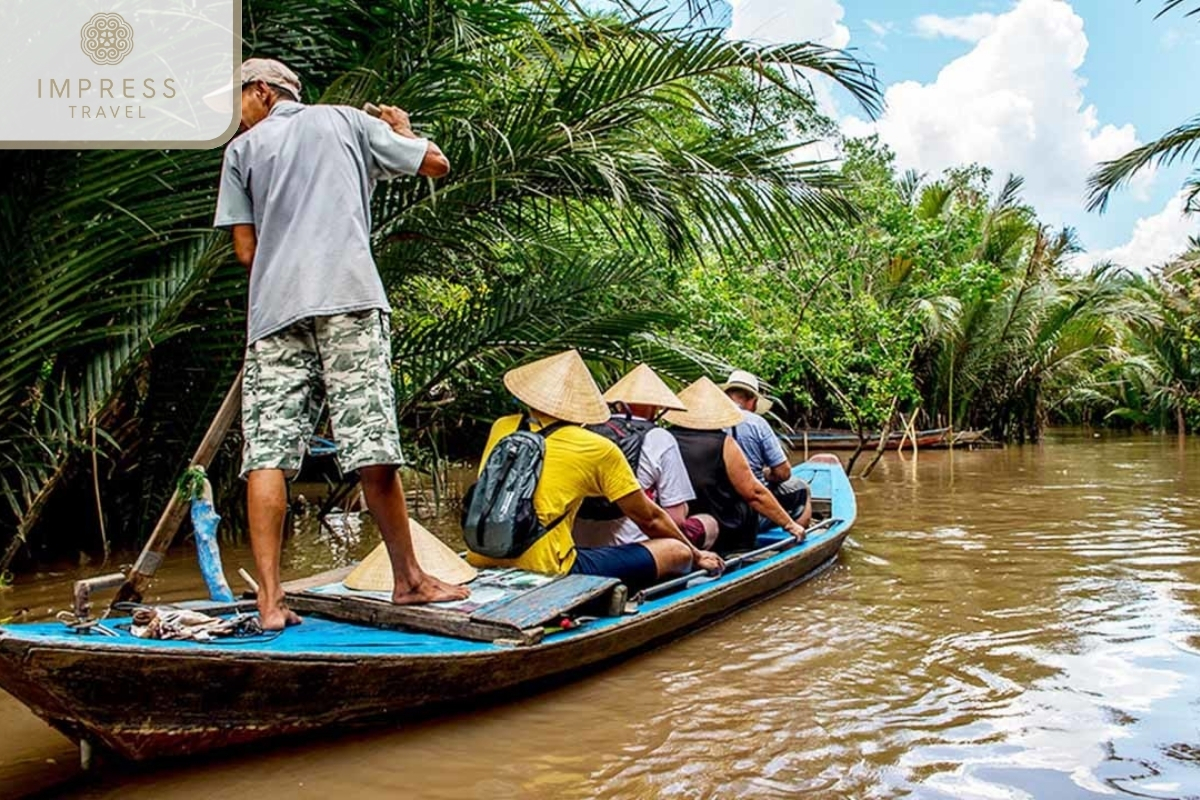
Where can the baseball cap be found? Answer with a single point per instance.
(267, 70)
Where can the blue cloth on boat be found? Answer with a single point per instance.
(205, 520)
(759, 443)
(631, 564)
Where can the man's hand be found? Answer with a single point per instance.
(796, 529)
(398, 119)
(709, 562)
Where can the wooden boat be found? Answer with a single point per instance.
(831, 439)
(147, 698)
(967, 440)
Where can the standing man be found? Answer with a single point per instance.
(295, 193)
(762, 449)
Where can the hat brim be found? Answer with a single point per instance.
(221, 100)
(764, 402)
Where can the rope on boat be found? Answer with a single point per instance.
(84, 625)
(162, 622)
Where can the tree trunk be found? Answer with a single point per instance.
(883, 438)
(862, 441)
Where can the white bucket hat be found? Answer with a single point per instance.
(748, 382)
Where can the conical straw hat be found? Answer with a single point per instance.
(708, 408)
(560, 386)
(374, 574)
(641, 386)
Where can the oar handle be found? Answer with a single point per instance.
(376, 111)
(667, 586)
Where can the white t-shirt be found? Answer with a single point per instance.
(661, 473)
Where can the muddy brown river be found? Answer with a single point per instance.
(1002, 624)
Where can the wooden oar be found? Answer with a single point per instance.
(152, 554)
(667, 586)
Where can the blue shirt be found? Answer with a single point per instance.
(303, 178)
(759, 443)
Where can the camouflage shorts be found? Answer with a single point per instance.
(343, 361)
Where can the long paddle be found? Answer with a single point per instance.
(160, 540)
(667, 586)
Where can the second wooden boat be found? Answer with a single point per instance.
(830, 439)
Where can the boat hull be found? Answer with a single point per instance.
(142, 702)
(848, 440)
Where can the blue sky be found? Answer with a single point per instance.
(1043, 88)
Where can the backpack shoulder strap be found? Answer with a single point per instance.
(552, 427)
(545, 433)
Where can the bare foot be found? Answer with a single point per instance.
(429, 590)
(277, 617)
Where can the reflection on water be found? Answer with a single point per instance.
(1003, 624)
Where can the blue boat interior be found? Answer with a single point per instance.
(319, 636)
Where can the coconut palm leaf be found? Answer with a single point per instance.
(1171, 5)
(1182, 143)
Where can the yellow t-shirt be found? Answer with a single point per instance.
(578, 464)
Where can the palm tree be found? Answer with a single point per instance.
(1161, 371)
(568, 177)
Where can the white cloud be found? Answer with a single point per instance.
(1014, 103)
(817, 21)
(970, 28)
(880, 29)
(1155, 240)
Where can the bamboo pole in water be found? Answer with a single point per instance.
(177, 507)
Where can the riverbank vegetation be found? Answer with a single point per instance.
(638, 188)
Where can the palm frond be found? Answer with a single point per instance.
(1175, 145)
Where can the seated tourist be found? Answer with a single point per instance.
(724, 484)
(578, 464)
(763, 451)
(652, 452)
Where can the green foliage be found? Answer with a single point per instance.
(592, 157)
(946, 298)
(1157, 382)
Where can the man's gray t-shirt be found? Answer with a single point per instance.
(303, 177)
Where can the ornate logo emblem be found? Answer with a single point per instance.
(106, 38)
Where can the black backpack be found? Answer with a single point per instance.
(499, 520)
(629, 434)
